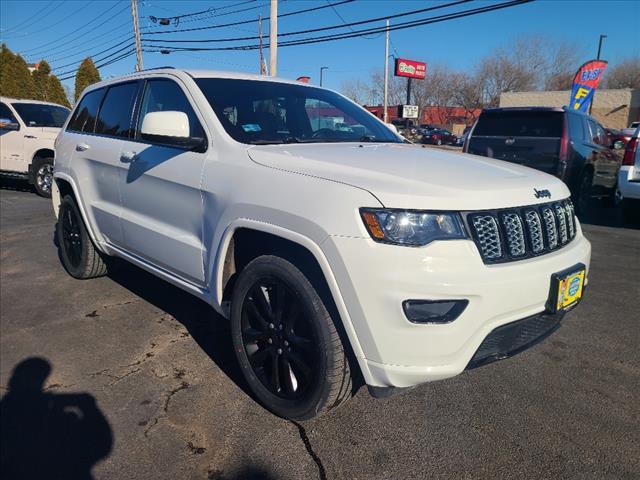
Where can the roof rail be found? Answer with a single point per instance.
(156, 68)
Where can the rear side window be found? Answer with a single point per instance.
(161, 95)
(519, 124)
(84, 118)
(117, 110)
(576, 129)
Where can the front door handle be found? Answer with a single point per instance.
(127, 157)
(81, 147)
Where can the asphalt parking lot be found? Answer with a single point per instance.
(143, 384)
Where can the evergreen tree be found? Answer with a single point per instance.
(15, 78)
(86, 75)
(41, 81)
(25, 87)
(57, 93)
(6, 69)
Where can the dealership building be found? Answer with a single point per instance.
(613, 108)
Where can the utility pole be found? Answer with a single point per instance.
(602, 37)
(385, 116)
(136, 33)
(263, 67)
(273, 39)
(321, 70)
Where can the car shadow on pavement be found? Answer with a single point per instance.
(210, 330)
(17, 185)
(609, 217)
(49, 435)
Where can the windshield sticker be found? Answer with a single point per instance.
(251, 127)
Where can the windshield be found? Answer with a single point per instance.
(39, 115)
(263, 112)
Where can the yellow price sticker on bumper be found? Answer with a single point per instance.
(570, 289)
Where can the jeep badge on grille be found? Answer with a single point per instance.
(542, 193)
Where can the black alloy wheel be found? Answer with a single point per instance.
(286, 341)
(584, 193)
(279, 341)
(77, 252)
(71, 237)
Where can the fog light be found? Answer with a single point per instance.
(433, 311)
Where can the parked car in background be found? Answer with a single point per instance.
(28, 129)
(439, 136)
(566, 143)
(634, 125)
(623, 135)
(629, 178)
(463, 138)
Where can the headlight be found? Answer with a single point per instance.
(411, 227)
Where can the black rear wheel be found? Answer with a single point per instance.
(286, 341)
(583, 195)
(76, 250)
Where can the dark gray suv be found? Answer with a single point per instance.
(568, 144)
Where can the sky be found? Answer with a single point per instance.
(64, 32)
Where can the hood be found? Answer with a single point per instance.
(410, 176)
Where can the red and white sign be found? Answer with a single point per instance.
(410, 68)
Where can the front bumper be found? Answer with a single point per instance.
(628, 184)
(374, 279)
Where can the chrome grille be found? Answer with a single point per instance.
(513, 234)
(487, 236)
(535, 231)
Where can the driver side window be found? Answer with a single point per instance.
(162, 95)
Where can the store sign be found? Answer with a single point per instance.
(408, 111)
(410, 68)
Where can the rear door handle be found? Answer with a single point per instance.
(127, 157)
(81, 147)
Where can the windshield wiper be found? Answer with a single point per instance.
(278, 141)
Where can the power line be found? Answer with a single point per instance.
(87, 24)
(320, 29)
(176, 19)
(39, 12)
(114, 60)
(335, 10)
(96, 54)
(358, 33)
(97, 60)
(243, 22)
(76, 53)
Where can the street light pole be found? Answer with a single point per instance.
(602, 37)
(321, 70)
(385, 116)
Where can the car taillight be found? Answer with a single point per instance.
(434, 136)
(630, 152)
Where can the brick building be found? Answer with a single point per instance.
(613, 108)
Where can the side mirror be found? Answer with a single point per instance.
(8, 124)
(618, 145)
(169, 128)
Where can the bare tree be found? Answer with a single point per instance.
(359, 91)
(625, 74)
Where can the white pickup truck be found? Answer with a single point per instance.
(337, 250)
(28, 129)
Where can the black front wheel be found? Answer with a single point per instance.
(76, 250)
(583, 195)
(286, 342)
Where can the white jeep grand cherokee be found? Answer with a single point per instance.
(336, 249)
(28, 129)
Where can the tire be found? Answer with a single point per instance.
(631, 210)
(286, 341)
(583, 194)
(76, 250)
(43, 176)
